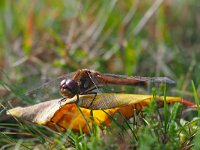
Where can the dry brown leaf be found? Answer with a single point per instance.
(68, 116)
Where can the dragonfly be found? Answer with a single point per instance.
(87, 81)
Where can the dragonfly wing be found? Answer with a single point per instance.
(155, 79)
(47, 91)
(102, 87)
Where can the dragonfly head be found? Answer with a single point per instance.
(69, 88)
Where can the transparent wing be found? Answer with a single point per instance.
(110, 82)
(47, 91)
(101, 86)
(155, 79)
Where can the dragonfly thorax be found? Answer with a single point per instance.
(69, 88)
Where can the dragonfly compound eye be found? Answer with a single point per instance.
(69, 88)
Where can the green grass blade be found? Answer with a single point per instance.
(166, 109)
(86, 121)
(196, 99)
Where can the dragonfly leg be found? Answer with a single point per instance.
(91, 92)
(95, 95)
(77, 99)
(62, 100)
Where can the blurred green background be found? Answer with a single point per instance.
(41, 40)
(145, 38)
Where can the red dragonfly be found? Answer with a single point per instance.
(86, 81)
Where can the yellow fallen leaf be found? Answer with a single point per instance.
(68, 116)
(112, 100)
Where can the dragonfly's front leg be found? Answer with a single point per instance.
(62, 100)
(77, 96)
(91, 92)
(95, 95)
